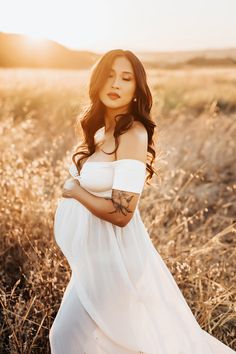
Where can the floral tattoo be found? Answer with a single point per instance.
(121, 201)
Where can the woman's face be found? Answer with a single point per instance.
(120, 81)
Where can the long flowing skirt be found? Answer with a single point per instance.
(121, 298)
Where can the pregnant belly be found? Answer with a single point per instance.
(67, 221)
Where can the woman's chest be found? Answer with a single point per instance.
(96, 177)
(104, 147)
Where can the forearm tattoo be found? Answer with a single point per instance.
(121, 202)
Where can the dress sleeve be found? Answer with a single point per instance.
(129, 175)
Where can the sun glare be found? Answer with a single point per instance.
(35, 39)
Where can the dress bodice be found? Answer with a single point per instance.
(98, 176)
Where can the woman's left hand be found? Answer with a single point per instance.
(70, 188)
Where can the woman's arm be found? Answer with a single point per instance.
(110, 209)
(120, 207)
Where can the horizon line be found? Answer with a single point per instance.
(151, 51)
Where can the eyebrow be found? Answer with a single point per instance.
(125, 72)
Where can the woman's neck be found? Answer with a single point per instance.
(110, 117)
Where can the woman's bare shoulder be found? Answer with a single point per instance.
(134, 143)
(139, 126)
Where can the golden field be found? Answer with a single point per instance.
(189, 210)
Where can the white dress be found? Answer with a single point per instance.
(121, 298)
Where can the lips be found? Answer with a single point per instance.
(113, 95)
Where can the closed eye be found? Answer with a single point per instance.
(123, 78)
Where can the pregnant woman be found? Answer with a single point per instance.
(121, 298)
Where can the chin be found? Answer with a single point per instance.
(114, 104)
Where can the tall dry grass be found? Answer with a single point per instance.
(189, 210)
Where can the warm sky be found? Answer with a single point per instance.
(139, 25)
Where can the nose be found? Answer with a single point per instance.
(115, 83)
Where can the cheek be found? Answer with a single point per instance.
(103, 91)
(129, 90)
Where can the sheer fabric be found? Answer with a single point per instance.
(121, 298)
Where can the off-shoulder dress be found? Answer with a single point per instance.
(121, 297)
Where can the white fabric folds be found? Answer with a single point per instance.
(121, 298)
(129, 175)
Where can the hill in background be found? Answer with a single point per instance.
(177, 59)
(17, 50)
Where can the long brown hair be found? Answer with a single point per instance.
(92, 119)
